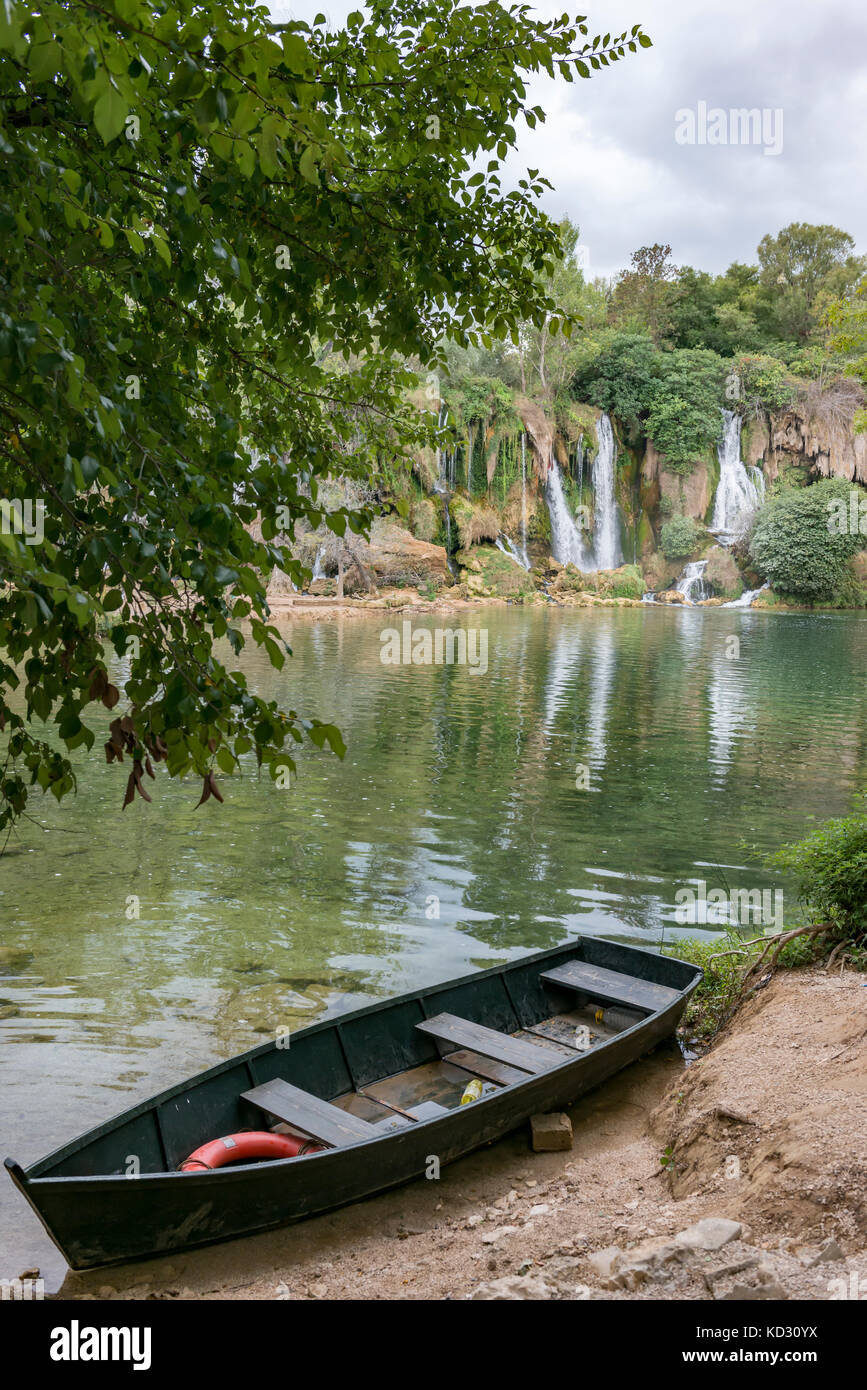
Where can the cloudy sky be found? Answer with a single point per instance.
(609, 145)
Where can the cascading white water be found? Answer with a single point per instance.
(607, 554)
(442, 483)
(567, 543)
(759, 480)
(746, 598)
(508, 547)
(737, 495)
(691, 583)
(318, 571)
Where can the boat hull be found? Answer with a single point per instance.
(103, 1219)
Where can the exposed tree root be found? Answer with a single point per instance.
(778, 942)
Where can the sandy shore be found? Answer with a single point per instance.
(763, 1141)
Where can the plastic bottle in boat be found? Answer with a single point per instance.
(472, 1092)
(616, 1018)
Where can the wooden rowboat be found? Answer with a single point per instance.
(379, 1090)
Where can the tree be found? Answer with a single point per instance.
(618, 375)
(701, 315)
(803, 268)
(548, 360)
(684, 416)
(222, 240)
(643, 295)
(848, 322)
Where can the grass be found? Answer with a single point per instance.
(722, 985)
(719, 990)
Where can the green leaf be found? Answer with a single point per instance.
(110, 113)
(307, 166)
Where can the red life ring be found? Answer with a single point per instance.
(245, 1148)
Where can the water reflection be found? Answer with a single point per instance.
(452, 836)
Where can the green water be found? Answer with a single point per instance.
(452, 836)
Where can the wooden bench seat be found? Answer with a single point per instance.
(488, 1043)
(610, 986)
(327, 1123)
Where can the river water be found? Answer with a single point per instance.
(452, 836)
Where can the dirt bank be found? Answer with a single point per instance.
(764, 1142)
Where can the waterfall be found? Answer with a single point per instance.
(567, 543)
(445, 482)
(442, 483)
(737, 495)
(746, 598)
(691, 583)
(607, 554)
(508, 547)
(759, 480)
(318, 571)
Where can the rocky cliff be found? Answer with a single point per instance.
(816, 437)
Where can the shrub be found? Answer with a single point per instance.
(627, 582)
(719, 987)
(679, 537)
(830, 869)
(765, 382)
(684, 416)
(617, 378)
(794, 546)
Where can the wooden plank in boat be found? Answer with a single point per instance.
(438, 1081)
(312, 1116)
(463, 1033)
(356, 1103)
(610, 986)
(484, 1067)
(428, 1110)
(560, 1030)
(547, 1044)
(563, 1028)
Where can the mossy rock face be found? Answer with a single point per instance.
(625, 582)
(489, 573)
(646, 541)
(660, 573)
(722, 574)
(423, 519)
(539, 528)
(792, 473)
(425, 466)
(517, 507)
(475, 521)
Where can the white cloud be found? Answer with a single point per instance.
(608, 144)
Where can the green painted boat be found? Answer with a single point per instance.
(376, 1097)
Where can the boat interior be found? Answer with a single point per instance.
(371, 1073)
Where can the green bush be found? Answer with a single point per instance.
(684, 416)
(765, 381)
(679, 537)
(618, 377)
(794, 547)
(719, 987)
(830, 869)
(628, 582)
